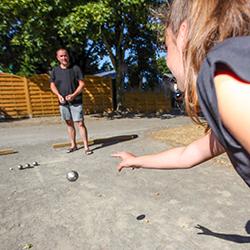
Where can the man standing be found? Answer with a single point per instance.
(67, 83)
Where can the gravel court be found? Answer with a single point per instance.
(98, 211)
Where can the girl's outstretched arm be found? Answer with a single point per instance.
(195, 153)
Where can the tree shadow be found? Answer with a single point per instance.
(104, 142)
(229, 237)
(5, 117)
(127, 114)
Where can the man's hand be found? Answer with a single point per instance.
(70, 97)
(61, 99)
(127, 160)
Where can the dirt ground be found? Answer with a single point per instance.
(184, 136)
(206, 207)
(172, 136)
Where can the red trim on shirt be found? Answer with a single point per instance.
(232, 74)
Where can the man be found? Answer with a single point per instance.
(67, 83)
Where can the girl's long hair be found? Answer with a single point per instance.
(209, 22)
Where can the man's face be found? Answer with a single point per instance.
(63, 57)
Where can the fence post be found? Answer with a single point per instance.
(27, 96)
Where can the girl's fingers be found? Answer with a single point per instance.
(124, 157)
(120, 167)
(117, 154)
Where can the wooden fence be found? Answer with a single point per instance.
(13, 96)
(138, 101)
(32, 97)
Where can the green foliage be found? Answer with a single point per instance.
(128, 31)
(31, 34)
(125, 30)
(162, 66)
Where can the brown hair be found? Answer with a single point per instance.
(63, 49)
(209, 22)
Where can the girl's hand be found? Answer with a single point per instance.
(126, 160)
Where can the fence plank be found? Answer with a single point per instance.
(27, 97)
(12, 96)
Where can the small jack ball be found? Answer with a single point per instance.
(72, 175)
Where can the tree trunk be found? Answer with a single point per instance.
(117, 61)
(119, 89)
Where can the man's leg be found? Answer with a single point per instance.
(67, 117)
(71, 132)
(84, 134)
(77, 114)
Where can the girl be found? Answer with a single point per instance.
(208, 52)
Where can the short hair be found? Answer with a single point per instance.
(61, 49)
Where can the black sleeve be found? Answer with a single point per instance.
(78, 73)
(234, 53)
(52, 76)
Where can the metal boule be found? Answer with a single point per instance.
(20, 166)
(72, 175)
(27, 165)
(35, 163)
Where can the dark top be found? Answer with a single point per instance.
(66, 81)
(235, 54)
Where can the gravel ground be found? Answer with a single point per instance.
(41, 209)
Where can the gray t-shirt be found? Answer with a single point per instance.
(66, 81)
(235, 54)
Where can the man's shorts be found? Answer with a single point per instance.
(72, 112)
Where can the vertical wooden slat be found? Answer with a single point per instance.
(27, 96)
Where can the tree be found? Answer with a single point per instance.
(121, 26)
(30, 35)
(124, 30)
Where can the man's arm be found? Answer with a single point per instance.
(56, 92)
(195, 153)
(81, 84)
(79, 89)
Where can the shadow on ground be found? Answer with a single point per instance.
(229, 237)
(104, 142)
(127, 114)
(5, 117)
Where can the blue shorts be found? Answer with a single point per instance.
(72, 112)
